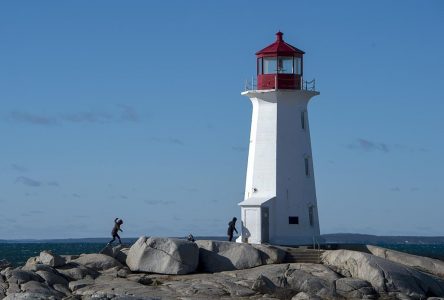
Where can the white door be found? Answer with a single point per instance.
(252, 225)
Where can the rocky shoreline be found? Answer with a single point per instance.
(165, 268)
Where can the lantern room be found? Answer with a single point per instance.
(279, 66)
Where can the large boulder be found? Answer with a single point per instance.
(35, 287)
(218, 256)
(27, 296)
(74, 271)
(163, 255)
(313, 279)
(51, 259)
(285, 280)
(52, 278)
(98, 262)
(78, 284)
(425, 264)
(354, 288)
(119, 252)
(385, 276)
(39, 267)
(270, 254)
(19, 277)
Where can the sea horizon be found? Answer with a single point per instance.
(358, 238)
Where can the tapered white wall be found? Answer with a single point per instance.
(276, 172)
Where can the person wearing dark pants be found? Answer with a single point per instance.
(231, 229)
(115, 232)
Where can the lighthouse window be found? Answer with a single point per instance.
(259, 66)
(311, 216)
(285, 65)
(303, 119)
(297, 66)
(307, 167)
(293, 220)
(270, 65)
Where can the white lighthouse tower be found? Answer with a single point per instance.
(280, 197)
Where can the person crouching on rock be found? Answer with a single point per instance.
(115, 232)
(231, 229)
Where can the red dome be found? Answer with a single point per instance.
(279, 47)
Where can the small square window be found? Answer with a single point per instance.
(293, 220)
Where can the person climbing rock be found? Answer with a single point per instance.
(231, 229)
(115, 232)
(191, 238)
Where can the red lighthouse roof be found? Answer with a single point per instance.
(279, 47)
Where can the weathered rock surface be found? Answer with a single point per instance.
(40, 288)
(305, 296)
(95, 277)
(119, 252)
(385, 276)
(78, 284)
(120, 287)
(353, 288)
(269, 254)
(62, 289)
(3, 287)
(4, 264)
(20, 277)
(286, 280)
(38, 267)
(163, 255)
(98, 262)
(74, 271)
(28, 296)
(425, 264)
(52, 278)
(51, 259)
(218, 256)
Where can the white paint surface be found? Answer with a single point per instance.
(276, 176)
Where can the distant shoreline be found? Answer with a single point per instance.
(335, 238)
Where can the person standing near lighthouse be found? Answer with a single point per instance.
(231, 229)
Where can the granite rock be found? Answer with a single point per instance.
(385, 276)
(163, 255)
(98, 262)
(218, 256)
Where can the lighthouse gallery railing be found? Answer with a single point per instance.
(306, 85)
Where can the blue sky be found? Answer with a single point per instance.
(133, 109)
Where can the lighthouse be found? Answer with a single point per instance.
(280, 204)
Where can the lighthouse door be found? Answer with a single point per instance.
(265, 216)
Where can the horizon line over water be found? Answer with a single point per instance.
(356, 238)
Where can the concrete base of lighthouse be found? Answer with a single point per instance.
(280, 205)
(260, 225)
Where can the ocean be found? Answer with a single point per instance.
(19, 252)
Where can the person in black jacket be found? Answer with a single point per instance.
(231, 229)
(115, 232)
